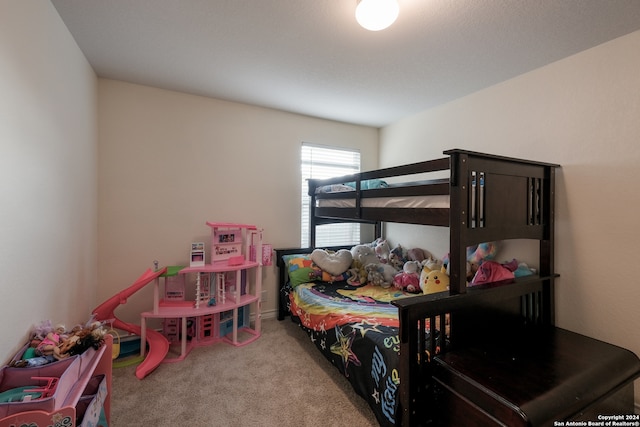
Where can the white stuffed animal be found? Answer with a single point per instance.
(380, 274)
(364, 254)
(383, 250)
(376, 272)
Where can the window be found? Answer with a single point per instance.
(326, 162)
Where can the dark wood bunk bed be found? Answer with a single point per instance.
(526, 371)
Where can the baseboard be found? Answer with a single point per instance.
(270, 314)
(265, 315)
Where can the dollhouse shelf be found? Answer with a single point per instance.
(227, 288)
(220, 268)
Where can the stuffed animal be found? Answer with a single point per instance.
(432, 281)
(492, 271)
(380, 274)
(375, 271)
(483, 252)
(364, 254)
(361, 255)
(383, 250)
(417, 254)
(476, 255)
(432, 263)
(357, 275)
(409, 278)
(398, 257)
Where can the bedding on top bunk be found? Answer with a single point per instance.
(396, 201)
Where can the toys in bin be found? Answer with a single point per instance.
(49, 344)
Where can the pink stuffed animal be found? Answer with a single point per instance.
(492, 271)
(409, 278)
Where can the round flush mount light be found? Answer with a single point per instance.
(376, 15)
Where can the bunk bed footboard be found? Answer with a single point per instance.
(475, 378)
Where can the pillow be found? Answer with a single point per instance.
(369, 184)
(334, 263)
(350, 186)
(333, 188)
(302, 269)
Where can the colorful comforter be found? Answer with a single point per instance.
(356, 328)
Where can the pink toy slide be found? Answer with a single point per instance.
(158, 344)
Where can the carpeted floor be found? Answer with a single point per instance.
(278, 380)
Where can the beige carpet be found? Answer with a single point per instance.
(278, 380)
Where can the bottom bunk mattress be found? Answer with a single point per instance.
(356, 328)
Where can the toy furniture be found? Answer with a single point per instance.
(485, 355)
(226, 289)
(81, 397)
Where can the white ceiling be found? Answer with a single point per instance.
(312, 58)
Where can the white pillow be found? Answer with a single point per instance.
(333, 263)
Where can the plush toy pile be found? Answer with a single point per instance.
(48, 343)
(414, 270)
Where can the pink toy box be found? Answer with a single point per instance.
(66, 371)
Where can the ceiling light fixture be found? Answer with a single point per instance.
(376, 15)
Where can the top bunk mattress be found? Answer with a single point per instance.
(409, 202)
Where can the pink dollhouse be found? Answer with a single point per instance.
(226, 292)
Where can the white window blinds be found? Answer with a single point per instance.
(326, 162)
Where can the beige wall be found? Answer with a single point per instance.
(169, 162)
(48, 179)
(583, 113)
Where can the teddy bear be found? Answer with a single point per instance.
(409, 278)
